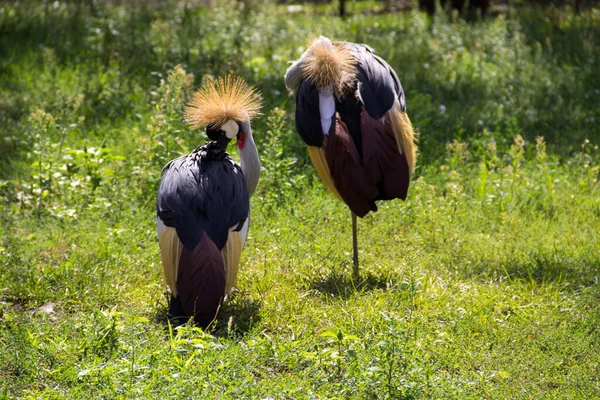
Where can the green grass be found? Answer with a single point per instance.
(484, 284)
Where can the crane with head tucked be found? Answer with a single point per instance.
(351, 112)
(204, 200)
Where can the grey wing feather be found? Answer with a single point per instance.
(397, 85)
(308, 116)
(197, 196)
(378, 84)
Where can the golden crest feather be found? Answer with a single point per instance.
(328, 64)
(222, 99)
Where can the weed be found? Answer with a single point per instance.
(483, 284)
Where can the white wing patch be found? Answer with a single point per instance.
(170, 252)
(231, 257)
(327, 110)
(160, 227)
(358, 92)
(245, 231)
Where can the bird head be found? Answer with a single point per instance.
(224, 106)
(327, 65)
(223, 134)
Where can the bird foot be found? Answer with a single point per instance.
(176, 314)
(232, 293)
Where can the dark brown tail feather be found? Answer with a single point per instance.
(201, 281)
(384, 166)
(347, 171)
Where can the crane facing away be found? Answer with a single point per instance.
(204, 200)
(351, 112)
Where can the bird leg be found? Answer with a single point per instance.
(354, 247)
(176, 314)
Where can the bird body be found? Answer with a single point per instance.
(203, 208)
(351, 112)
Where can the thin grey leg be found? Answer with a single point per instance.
(354, 246)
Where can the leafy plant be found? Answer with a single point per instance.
(483, 284)
(280, 175)
(342, 348)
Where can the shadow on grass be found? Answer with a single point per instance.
(540, 268)
(161, 309)
(236, 317)
(342, 285)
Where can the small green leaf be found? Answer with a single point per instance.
(329, 334)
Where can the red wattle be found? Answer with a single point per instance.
(241, 141)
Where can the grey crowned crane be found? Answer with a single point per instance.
(204, 199)
(351, 112)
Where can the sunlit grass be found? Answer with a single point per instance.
(484, 284)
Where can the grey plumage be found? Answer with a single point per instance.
(308, 119)
(378, 83)
(204, 191)
(368, 152)
(378, 87)
(204, 199)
